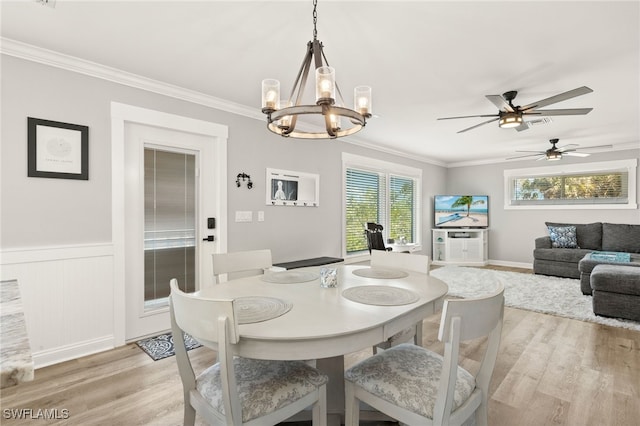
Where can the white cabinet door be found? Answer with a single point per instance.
(460, 246)
(473, 249)
(457, 249)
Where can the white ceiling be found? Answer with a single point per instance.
(424, 60)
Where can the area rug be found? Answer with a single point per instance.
(161, 346)
(539, 293)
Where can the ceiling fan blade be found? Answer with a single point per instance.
(538, 152)
(525, 156)
(499, 101)
(563, 148)
(597, 146)
(470, 116)
(558, 98)
(549, 112)
(478, 125)
(576, 154)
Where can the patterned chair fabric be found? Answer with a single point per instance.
(263, 386)
(416, 386)
(235, 390)
(408, 376)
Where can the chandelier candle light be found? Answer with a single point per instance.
(282, 115)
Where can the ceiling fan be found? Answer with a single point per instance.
(556, 153)
(510, 116)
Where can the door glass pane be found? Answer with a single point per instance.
(169, 228)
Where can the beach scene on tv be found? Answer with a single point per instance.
(460, 211)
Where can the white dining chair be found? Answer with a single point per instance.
(241, 264)
(406, 262)
(245, 264)
(236, 390)
(416, 386)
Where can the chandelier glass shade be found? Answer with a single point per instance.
(332, 118)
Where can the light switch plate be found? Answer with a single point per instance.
(260, 216)
(244, 216)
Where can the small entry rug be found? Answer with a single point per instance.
(539, 293)
(161, 346)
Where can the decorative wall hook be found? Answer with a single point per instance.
(244, 177)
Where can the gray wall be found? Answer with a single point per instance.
(512, 232)
(39, 212)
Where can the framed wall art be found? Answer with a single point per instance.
(289, 188)
(57, 150)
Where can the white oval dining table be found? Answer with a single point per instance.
(309, 321)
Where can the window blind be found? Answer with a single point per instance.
(401, 217)
(582, 188)
(363, 201)
(381, 198)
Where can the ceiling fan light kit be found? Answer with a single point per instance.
(282, 115)
(554, 156)
(510, 120)
(511, 116)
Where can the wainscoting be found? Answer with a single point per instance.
(68, 299)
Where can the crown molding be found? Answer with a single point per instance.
(52, 58)
(70, 63)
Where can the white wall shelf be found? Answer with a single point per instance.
(460, 246)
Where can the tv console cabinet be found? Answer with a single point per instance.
(460, 246)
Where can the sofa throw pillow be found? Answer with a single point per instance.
(589, 234)
(563, 236)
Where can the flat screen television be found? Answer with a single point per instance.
(461, 211)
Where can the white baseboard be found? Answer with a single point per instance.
(69, 352)
(511, 264)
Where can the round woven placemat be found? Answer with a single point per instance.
(381, 273)
(380, 295)
(252, 309)
(290, 277)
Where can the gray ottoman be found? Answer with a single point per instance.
(616, 291)
(586, 265)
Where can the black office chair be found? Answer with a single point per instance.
(375, 241)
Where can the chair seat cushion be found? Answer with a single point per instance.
(408, 376)
(263, 386)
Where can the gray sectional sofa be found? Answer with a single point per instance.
(598, 236)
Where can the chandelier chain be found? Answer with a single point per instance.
(315, 19)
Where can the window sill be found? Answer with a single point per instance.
(575, 207)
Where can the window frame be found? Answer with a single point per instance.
(630, 166)
(389, 169)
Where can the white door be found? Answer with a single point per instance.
(170, 192)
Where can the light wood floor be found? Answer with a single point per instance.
(550, 371)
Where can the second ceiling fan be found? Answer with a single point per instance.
(512, 116)
(556, 152)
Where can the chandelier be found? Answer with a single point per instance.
(282, 115)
